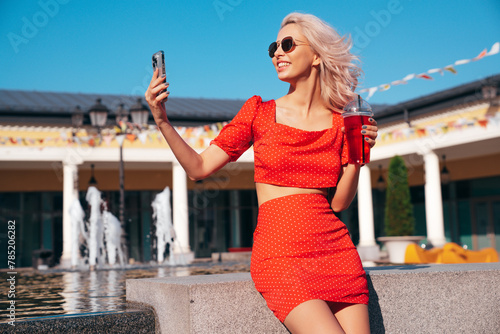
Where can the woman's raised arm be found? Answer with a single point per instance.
(197, 165)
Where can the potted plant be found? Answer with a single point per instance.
(399, 220)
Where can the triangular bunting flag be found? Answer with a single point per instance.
(154, 135)
(108, 139)
(120, 139)
(384, 87)
(371, 91)
(131, 137)
(481, 55)
(421, 132)
(494, 49)
(399, 82)
(436, 70)
(424, 76)
(409, 77)
(462, 62)
(142, 137)
(483, 122)
(451, 69)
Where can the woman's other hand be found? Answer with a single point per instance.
(370, 132)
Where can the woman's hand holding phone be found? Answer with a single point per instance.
(157, 94)
(155, 99)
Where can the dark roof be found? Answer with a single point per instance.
(34, 107)
(37, 108)
(52, 107)
(459, 95)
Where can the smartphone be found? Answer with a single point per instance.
(159, 62)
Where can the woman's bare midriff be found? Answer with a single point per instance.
(266, 192)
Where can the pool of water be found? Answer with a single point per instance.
(54, 292)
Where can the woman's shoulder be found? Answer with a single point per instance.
(256, 99)
(254, 108)
(256, 103)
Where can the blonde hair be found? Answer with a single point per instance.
(338, 72)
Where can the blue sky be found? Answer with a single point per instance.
(218, 49)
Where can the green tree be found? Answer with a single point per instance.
(399, 219)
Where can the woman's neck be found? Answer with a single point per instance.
(305, 94)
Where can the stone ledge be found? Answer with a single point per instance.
(223, 303)
(128, 321)
(403, 299)
(231, 256)
(446, 298)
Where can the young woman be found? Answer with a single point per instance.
(303, 261)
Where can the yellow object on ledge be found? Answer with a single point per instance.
(450, 253)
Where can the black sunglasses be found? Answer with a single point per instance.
(287, 45)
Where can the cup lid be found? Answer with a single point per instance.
(357, 105)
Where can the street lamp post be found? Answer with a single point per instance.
(122, 116)
(98, 116)
(139, 113)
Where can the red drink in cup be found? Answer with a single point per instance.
(356, 114)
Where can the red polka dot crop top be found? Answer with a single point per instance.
(284, 155)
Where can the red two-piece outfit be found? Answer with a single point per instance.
(301, 250)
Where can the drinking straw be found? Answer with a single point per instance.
(362, 137)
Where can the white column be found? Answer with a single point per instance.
(433, 200)
(367, 248)
(180, 213)
(70, 193)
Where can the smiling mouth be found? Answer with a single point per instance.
(283, 64)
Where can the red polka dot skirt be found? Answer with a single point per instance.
(302, 251)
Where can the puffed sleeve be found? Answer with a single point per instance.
(344, 155)
(237, 136)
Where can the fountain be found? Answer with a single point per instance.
(113, 234)
(78, 229)
(95, 241)
(165, 233)
(101, 236)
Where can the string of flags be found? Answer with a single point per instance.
(197, 137)
(200, 136)
(462, 123)
(426, 75)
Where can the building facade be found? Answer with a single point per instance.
(450, 141)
